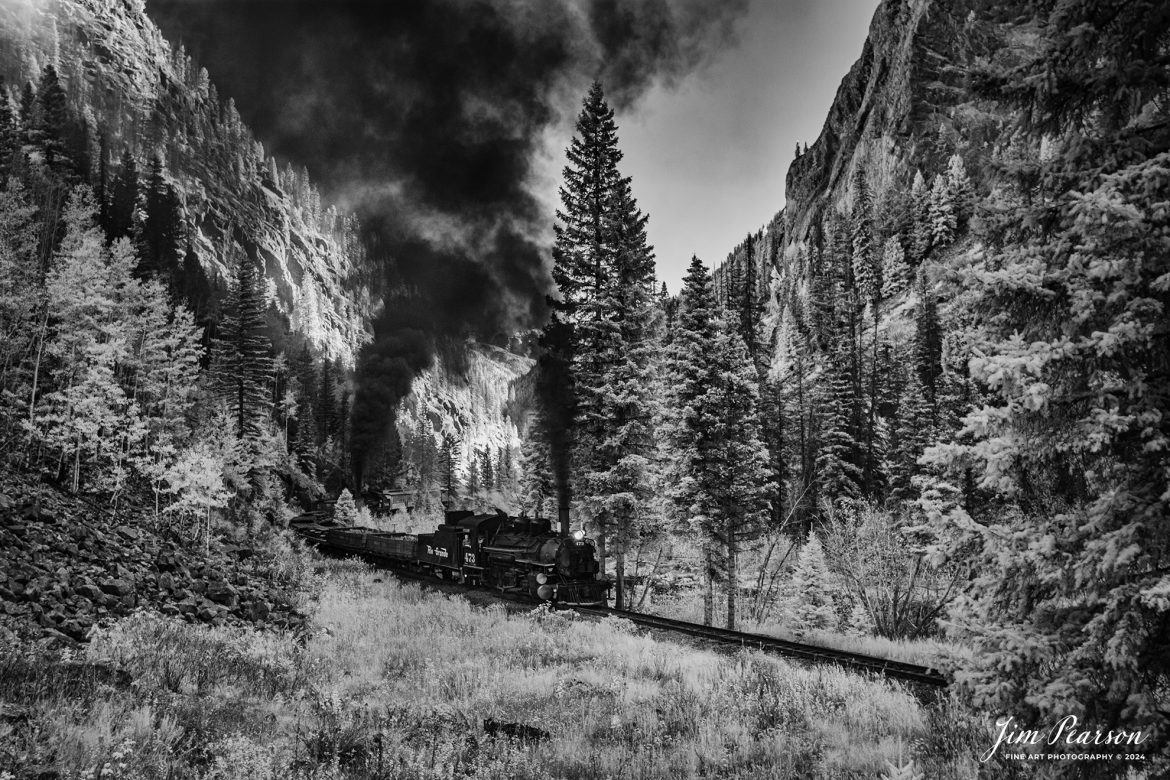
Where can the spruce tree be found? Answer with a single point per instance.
(597, 346)
(580, 256)
(52, 122)
(895, 272)
(720, 473)
(928, 340)
(9, 134)
(345, 510)
(912, 431)
(839, 392)
(243, 364)
(867, 273)
(942, 214)
(922, 232)
(961, 190)
(162, 238)
(123, 198)
(811, 604)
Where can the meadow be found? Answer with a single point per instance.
(397, 682)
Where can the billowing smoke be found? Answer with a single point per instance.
(431, 119)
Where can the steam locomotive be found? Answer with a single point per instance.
(494, 551)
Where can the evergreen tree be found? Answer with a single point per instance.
(487, 472)
(52, 128)
(473, 483)
(895, 272)
(328, 420)
(961, 191)
(448, 465)
(28, 112)
(162, 237)
(243, 366)
(9, 135)
(580, 256)
(922, 232)
(928, 340)
(860, 624)
(942, 214)
(867, 273)
(613, 388)
(912, 431)
(123, 198)
(592, 379)
(345, 510)
(838, 456)
(303, 435)
(811, 603)
(720, 479)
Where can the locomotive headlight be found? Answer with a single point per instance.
(578, 534)
(541, 578)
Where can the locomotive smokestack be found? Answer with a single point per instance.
(563, 515)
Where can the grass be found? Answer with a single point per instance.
(395, 682)
(936, 653)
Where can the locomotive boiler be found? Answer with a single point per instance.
(491, 551)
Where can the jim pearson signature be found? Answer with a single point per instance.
(1065, 731)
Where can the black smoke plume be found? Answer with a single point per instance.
(429, 118)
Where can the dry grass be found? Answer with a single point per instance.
(396, 683)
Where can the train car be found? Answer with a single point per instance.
(351, 540)
(442, 551)
(509, 554)
(395, 546)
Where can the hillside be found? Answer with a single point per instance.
(139, 94)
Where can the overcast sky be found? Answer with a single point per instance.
(708, 160)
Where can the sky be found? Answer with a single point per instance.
(708, 159)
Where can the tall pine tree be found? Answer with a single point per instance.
(243, 364)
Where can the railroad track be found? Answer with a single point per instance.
(898, 670)
(857, 662)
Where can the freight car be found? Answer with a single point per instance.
(493, 551)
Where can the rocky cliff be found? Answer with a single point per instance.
(137, 92)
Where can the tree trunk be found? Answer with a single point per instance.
(709, 595)
(619, 564)
(732, 582)
(649, 580)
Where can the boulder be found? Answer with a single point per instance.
(117, 587)
(222, 593)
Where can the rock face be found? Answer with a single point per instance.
(66, 564)
(896, 109)
(483, 406)
(904, 107)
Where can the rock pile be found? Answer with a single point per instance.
(66, 564)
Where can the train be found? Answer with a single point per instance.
(496, 551)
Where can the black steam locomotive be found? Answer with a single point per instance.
(509, 554)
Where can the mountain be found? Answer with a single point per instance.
(139, 94)
(904, 106)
